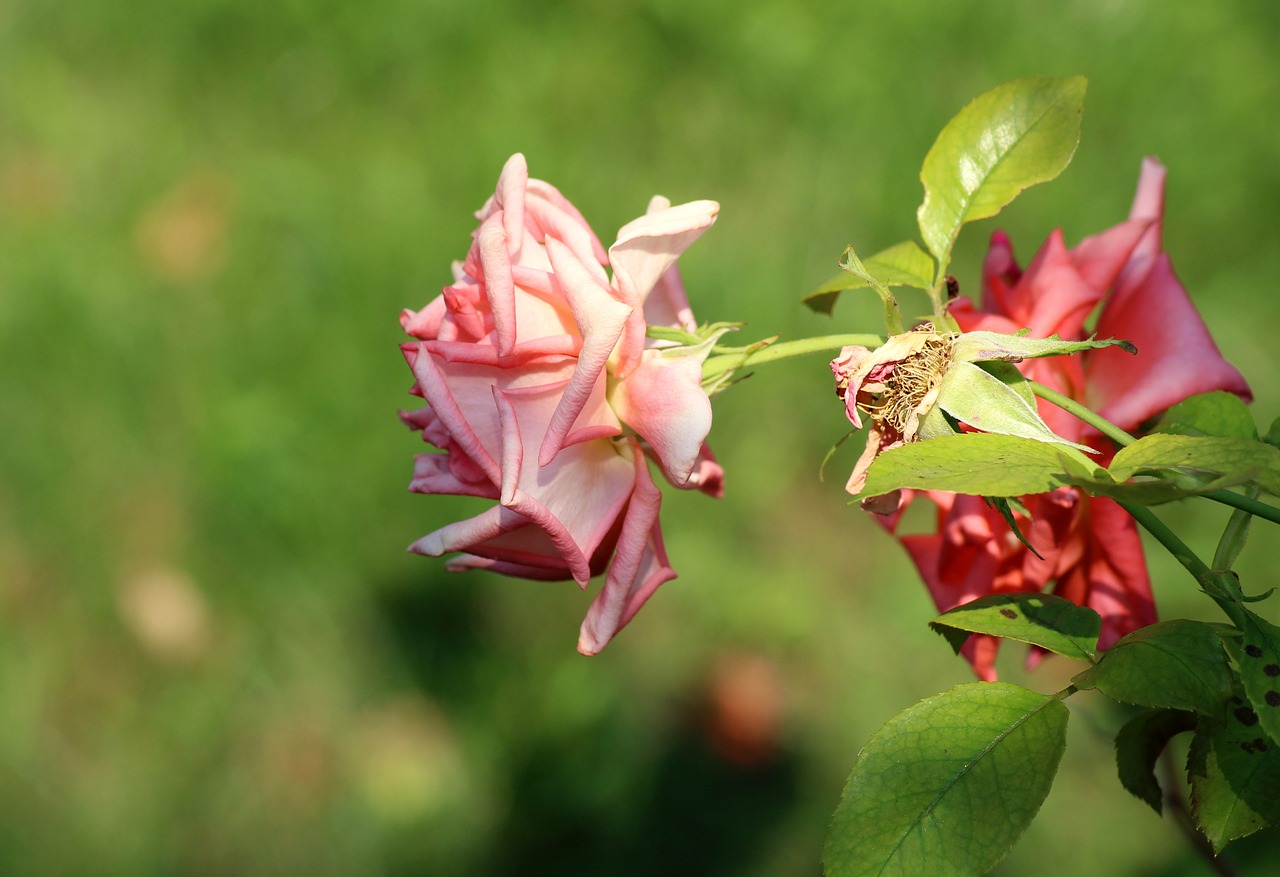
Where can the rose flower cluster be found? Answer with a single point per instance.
(545, 395)
(1089, 550)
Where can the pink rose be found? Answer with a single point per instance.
(544, 395)
(1090, 549)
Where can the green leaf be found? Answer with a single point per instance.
(1154, 491)
(1007, 373)
(982, 400)
(1016, 135)
(1234, 772)
(1218, 413)
(903, 264)
(1041, 620)
(982, 345)
(1004, 505)
(976, 463)
(892, 315)
(1175, 664)
(1138, 748)
(918, 799)
(1257, 654)
(1273, 434)
(1233, 458)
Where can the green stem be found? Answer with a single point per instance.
(1066, 403)
(1246, 504)
(784, 350)
(1184, 555)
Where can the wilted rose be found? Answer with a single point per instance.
(544, 395)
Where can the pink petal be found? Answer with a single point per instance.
(668, 303)
(550, 195)
(464, 535)
(465, 562)
(509, 198)
(527, 505)
(646, 248)
(639, 565)
(1176, 357)
(584, 490)
(436, 474)
(600, 319)
(708, 475)
(1051, 296)
(1114, 573)
(424, 324)
(664, 402)
(1100, 258)
(1000, 276)
(499, 286)
(436, 390)
(550, 220)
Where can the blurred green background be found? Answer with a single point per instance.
(216, 657)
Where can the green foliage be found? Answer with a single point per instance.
(989, 464)
(1043, 620)
(984, 345)
(1138, 748)
(982, 464)
(1235, 459)
(983, 401)
(892, 315)
(903, 264)
(1257, 657)
(1170, 486)
(1234, 772)
(1016, 135)
(1218, 413)
(918, 799)
(1175, 664)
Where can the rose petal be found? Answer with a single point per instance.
(1176, 358)
(664, 402)
(639, 565)
(600, 319)
(645, 249)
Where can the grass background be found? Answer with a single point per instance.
(215, 656)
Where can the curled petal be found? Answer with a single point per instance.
(424, 324)
(664, 402)
(550, 220)
(600, 318)
(439, 474)
(639, 565)
(464, 562)
(509, 198)
(668, 303)
(435, 389)
(879, 439)
(707, 475)
(499, 286)
(645, 249)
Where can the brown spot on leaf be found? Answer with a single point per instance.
(1253, 651)
(1272, 669)
(1246, 716)
(1260, 745)
(1273, 698)
(1008, 613)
